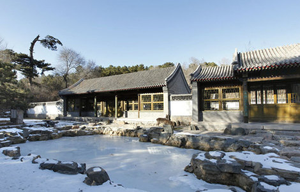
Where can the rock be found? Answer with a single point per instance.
(168, 129)
(12, 151)
(229, 167)
(34, 137)
(74, 127)
(92, 124)
(63, 167)
(49, 164)
(5, 143)
(214, 155)
(144, 138)
(273, 180)
(193, 127)
(176, 141)
(238, 131)
(17, 139)
(25, 133)
(107, 122)
(290, 152)
(296, 159)
(163, 138)
(96, 176)
(288, 174)
(268, 149)
(189, 168)
(257, 166)
(120, 122)
(263, 187)
(235, 131)
(290, 143)
(227, 131)
(219, 171)
(67, 168)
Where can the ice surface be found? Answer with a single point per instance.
(135, 165)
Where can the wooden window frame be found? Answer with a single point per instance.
(133, 103)
(220, 98)
(151, 102)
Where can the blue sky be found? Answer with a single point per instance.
(152, 32)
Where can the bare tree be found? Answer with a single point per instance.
(69, 60)
(3, 45)
(224, 61)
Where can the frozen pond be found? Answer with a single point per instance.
(133, 164)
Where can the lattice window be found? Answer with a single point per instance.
(72, 104)
(295, 96)
(268, 95)
(222, 99)
(211, 94)
(152, 101)
(281, 96)
(133, 105)
(255, 95)
(231, 93)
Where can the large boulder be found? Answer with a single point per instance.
(63, 167)
(96, 176)
(212, 167)
(11, 151)
(144, 138)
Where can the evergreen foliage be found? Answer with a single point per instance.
(12, 95)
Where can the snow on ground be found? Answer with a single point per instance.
(135, 165)
(25, 176)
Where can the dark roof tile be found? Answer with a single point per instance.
(213, 73)
(129, 81)
(284, 56)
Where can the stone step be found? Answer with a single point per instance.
(286, 137)
(268, 126)
(283, 127)
(290, 143)
(213, 126)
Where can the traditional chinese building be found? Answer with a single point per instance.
(261, 85)
(143, 94)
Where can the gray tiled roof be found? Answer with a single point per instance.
(213, 73)
(136, 80)
(284, 56)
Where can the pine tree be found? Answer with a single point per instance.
(12, 96)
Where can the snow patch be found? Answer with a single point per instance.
(11, 130)
(97, 169)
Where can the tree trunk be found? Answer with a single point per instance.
(65, 76)
(31, 56)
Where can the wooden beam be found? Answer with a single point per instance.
(95, 106)
(116, 106)
(273, 78)
(245, 101)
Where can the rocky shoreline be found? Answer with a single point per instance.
(249, 175)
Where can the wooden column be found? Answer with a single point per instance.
(65, 105)
(80, 106)
(139, 105)
(95, 106)
(245, 99)
(116, 106)
(195, 102)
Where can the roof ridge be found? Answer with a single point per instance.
(283, 46)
